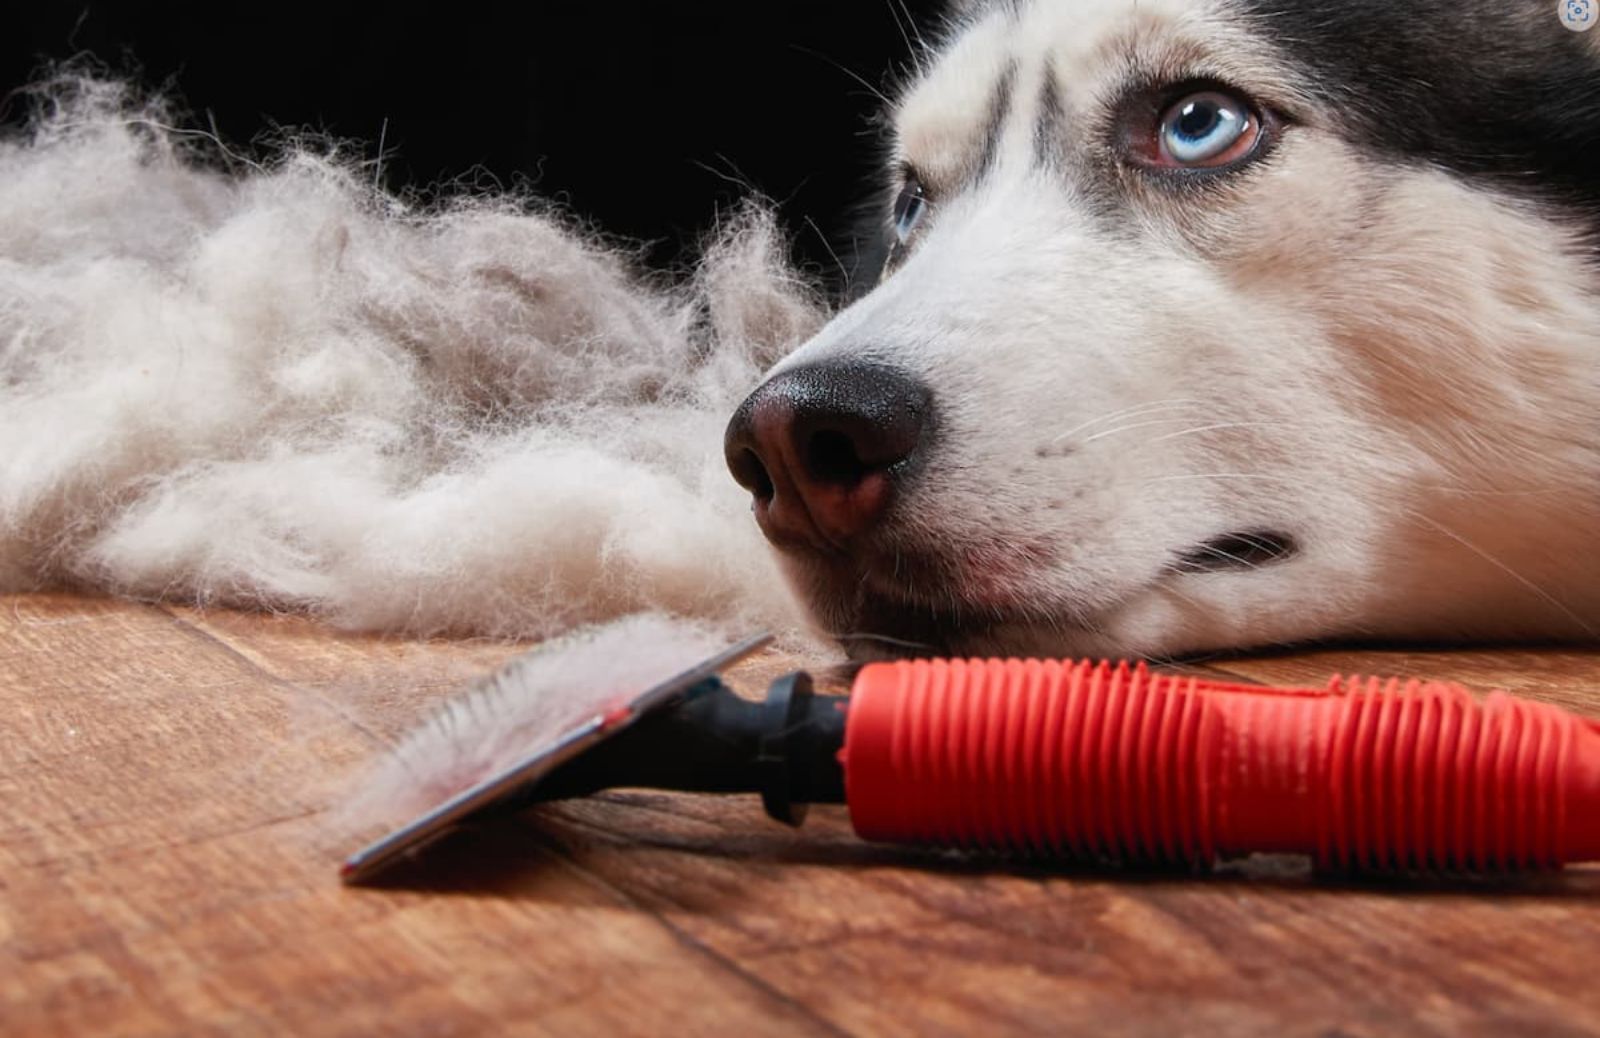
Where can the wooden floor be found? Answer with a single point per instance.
(167, 866)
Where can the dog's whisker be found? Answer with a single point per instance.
(884, 639)
(1444, 488)
(1521, 579)
(858, 77)
(1217, 553)
(1131, 427)
(1217, 427)
(1242, 476)
(1191, 600)
(1118, 646)
(1136, 411)
(843, 270)
(916, 46)
(900, 26)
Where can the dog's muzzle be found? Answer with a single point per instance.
(824, 448)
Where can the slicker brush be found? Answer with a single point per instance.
(1097, 761)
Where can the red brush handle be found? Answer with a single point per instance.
(1100, 760)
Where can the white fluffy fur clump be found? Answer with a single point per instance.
(276, 386)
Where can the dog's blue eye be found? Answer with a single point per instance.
(908, 210)
(1208, 129)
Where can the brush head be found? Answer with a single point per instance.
(487, 726)
(506, 734)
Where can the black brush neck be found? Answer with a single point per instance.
(785, 747)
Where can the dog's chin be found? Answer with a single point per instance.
(910, 601)
(879, 614)
(874, 629)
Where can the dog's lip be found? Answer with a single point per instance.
(1239, 550)
(887, 608)
(920, 598)
(911, 628)
(913, 601)
(893, 628)
(922, 606)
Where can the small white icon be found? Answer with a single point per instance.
(1578, 15)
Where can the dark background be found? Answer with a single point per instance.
(644, 116)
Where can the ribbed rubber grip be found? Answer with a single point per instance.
(1112, 761)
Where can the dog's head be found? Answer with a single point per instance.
(1208, 324)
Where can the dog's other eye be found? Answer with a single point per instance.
(1207, 130)
(908, 209)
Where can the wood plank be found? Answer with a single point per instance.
(162, 867)
(1567, 677)
(167, 854)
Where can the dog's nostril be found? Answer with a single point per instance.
(831, 457)
(750, 473)
(825, 448)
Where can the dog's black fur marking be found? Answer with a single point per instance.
(1492, 90)
(995, 125)
(1050, 128)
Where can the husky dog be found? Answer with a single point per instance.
(1211, 324)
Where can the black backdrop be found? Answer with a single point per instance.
(644, 115)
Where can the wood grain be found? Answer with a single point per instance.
(167, 856)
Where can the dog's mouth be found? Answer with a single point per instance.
(926, 603)
(1237, 551)
(881, 626)
(906, 601)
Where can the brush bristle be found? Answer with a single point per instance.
(525, 705)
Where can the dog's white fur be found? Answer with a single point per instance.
(277, 387)
(1399, 369)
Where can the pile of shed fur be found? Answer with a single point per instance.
(273, 385)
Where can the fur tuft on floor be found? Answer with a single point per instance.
(276, 386)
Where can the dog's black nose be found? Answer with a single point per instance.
(820, 448)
